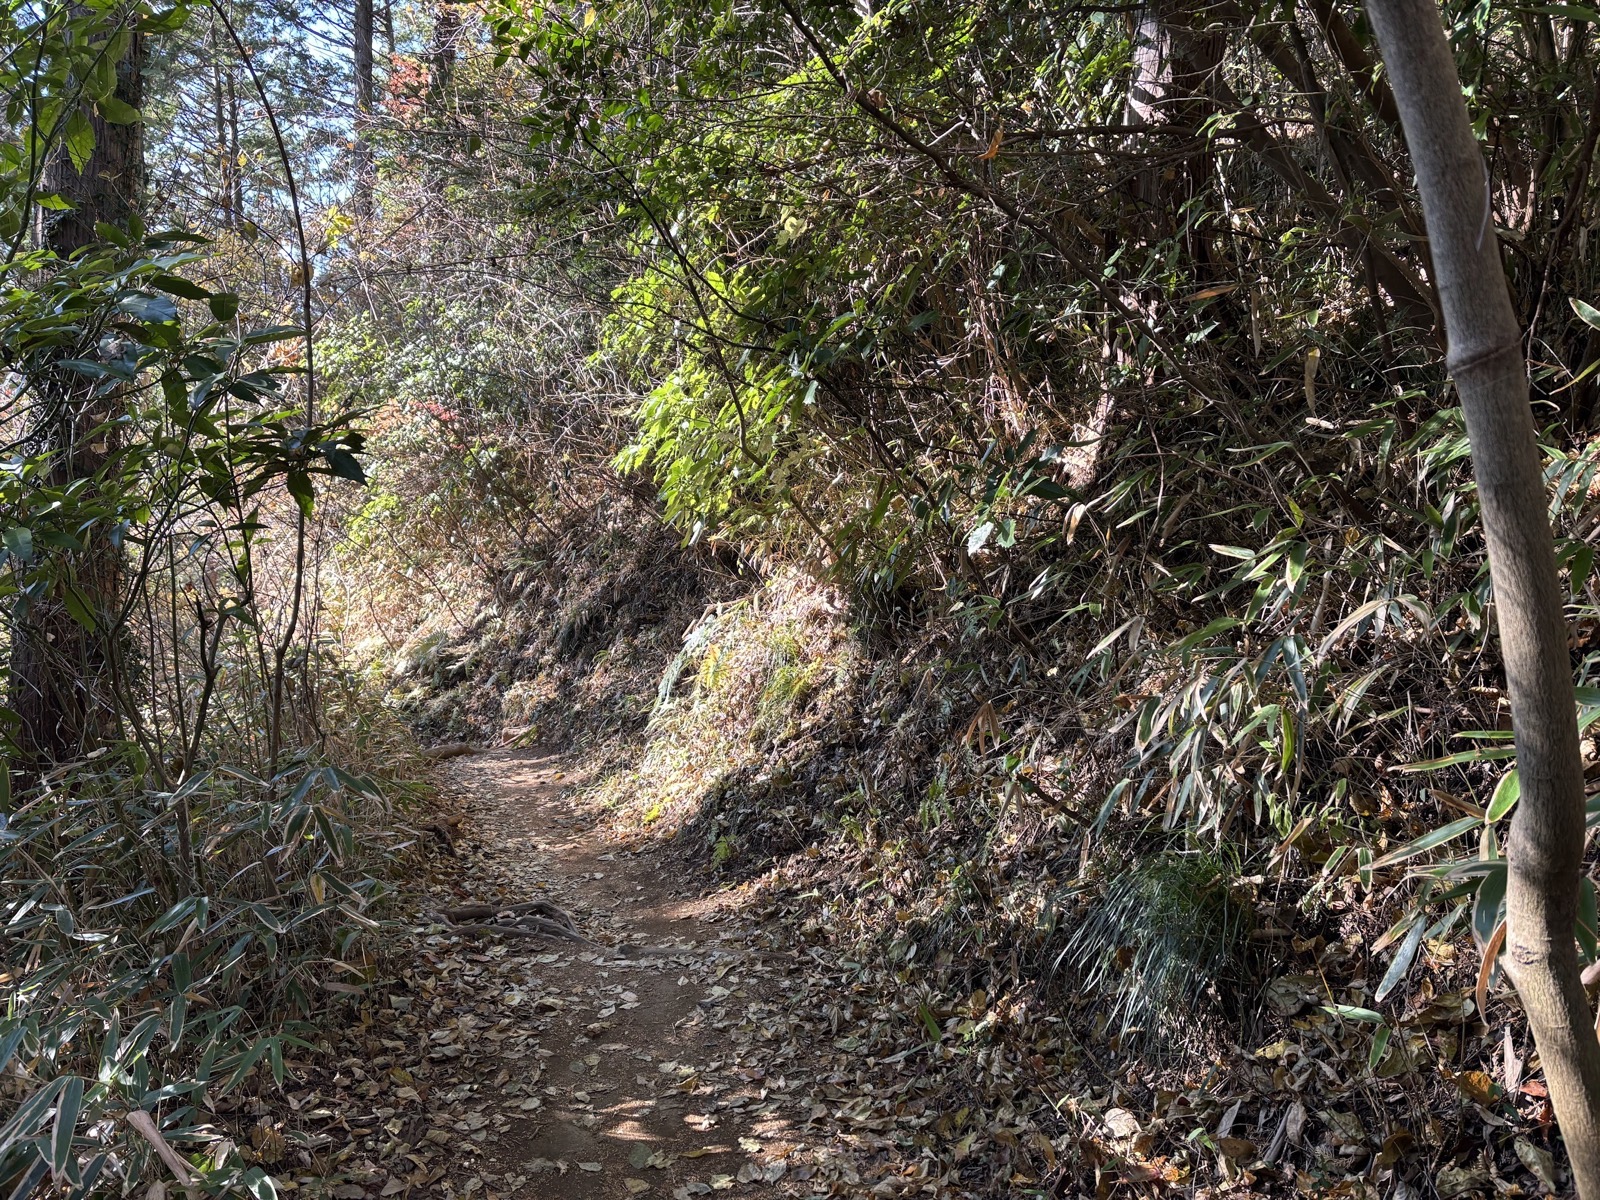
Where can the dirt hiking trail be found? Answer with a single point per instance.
(652, 1063)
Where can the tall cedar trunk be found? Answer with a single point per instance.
(60, 672)
(442, 51)
(364, 97)
(1545, 850)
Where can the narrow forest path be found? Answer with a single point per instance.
(652, 1064)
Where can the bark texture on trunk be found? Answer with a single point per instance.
(60, 672)
(1545, 849)
(112, 181)
(442, 50)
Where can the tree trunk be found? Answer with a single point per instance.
(1545, 849)
(226, 166)
(364, 97)
(442, 51)
(60, 683)
(237, 206)
(112, 181)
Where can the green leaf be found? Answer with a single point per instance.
(250, 1059)
(117, 112)
(224, 305)
(174, 916)
(177, 1018)
(1220, 625)
(32, 1112)
(1403, 958)
(1488, 905)
(1580, 568)
(174, 391)
(77, 606)
(1573, 12)
(67, 1111)
(299, 484)
(177, 285)
(9, 1043)
(1428, 841)
(79, 138)
(344, 465)
(273, 333)
(1352, 1013)
(1481, 754)
(18, 541)
(153, 310)
(260, 1185)
(1506, 794)
(1380, 1043)
(84, 366)
(1297, 564)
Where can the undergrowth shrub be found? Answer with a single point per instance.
(178, 884)
(165, 950)
(1165, 940)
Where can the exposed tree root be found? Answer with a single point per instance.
(451, 750)
(543, 908)
(532, 918)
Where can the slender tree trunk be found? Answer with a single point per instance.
(226, 165)
(1546, 846)
(60, 684)
(233, 150)
(364, 97)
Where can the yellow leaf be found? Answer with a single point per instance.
(1475, 1085)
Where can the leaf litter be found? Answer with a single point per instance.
(652, 1062)
(732, 1044)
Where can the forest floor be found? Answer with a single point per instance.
(658, 1061)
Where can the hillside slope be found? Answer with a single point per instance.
(1041, 993)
